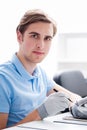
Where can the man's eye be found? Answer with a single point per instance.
(34, 36)
(48, 38)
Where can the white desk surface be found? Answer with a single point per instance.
(49, 124)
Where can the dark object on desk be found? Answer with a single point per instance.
(72, 80)
(79, 109)
(66, 110)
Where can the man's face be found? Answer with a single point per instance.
(35, 43)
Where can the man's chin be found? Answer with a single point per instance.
(39, 61)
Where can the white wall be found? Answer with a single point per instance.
(72, 52)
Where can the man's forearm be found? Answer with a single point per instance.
(31, 117)
(73, 96)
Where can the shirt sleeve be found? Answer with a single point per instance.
(4, 95)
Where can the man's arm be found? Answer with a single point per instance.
(3, 120)
(73, 96)
(31, 117)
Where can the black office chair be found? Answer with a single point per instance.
(72, 80)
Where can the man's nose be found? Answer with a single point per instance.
(40, 44)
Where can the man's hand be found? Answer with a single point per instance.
(54, 104)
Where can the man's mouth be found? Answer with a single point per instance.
(38, 52)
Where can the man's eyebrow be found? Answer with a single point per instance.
(34, 33)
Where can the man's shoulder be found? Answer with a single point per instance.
(5, 67)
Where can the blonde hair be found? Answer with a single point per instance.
(33, 16)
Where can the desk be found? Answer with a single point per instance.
(49, 124)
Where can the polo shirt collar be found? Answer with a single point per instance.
(22, 71)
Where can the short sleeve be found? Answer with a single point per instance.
(4, 95)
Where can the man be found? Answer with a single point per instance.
(26, 92)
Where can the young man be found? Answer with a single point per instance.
(26, 92)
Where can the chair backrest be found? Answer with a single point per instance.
(73, 81)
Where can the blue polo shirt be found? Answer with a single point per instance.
(20, 92)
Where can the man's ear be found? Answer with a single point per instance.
(19, 36)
